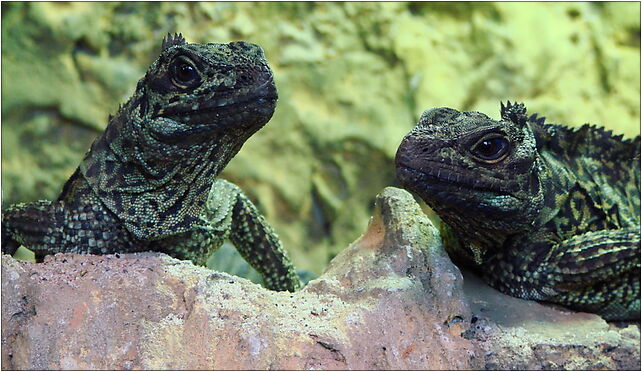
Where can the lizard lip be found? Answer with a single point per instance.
(441, 176)
(252, 110)
(261, 102)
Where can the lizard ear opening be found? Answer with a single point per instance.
(170, 41)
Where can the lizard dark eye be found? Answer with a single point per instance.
(491, 149)
(184, 75)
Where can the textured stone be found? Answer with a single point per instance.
(521, 334)
(353, 78)
(391, 300)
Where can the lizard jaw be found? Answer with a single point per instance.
(443, 178)
(257, 104)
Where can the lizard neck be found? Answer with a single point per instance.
(485, 234)
(156, 189)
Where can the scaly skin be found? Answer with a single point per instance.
(149, 180)
(540, 211)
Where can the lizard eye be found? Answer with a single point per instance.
(491, 149)
(184, 75)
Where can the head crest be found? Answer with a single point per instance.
(169, 41)
(515, 112)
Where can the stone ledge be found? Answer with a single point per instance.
(391, 300)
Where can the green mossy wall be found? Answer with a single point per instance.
(353, 78)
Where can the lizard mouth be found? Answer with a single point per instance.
(251, 108)
(242, 114)
(440, 177)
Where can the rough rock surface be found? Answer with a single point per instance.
(392, 300)
(353, 78)
(525, 335)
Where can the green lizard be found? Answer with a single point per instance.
(149, 180)
(541, 211)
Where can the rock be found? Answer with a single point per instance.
(391, 300)
(520, 334)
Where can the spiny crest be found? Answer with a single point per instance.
(538, 120)
(170, 41)
(515, 112)
(594, 142)
(600, 137)
(588, 140)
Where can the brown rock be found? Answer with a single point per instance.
(392, 300)
(520, 334)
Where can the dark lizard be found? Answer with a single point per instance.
(541, 211)
(149, 180)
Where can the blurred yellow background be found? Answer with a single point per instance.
(353, 78)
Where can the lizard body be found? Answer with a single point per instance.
(540, 211)
(149, 180)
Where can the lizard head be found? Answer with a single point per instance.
(475, 172)
(190, 114)
(196, 90)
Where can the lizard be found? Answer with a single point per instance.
(149, 181)
(540, 211)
